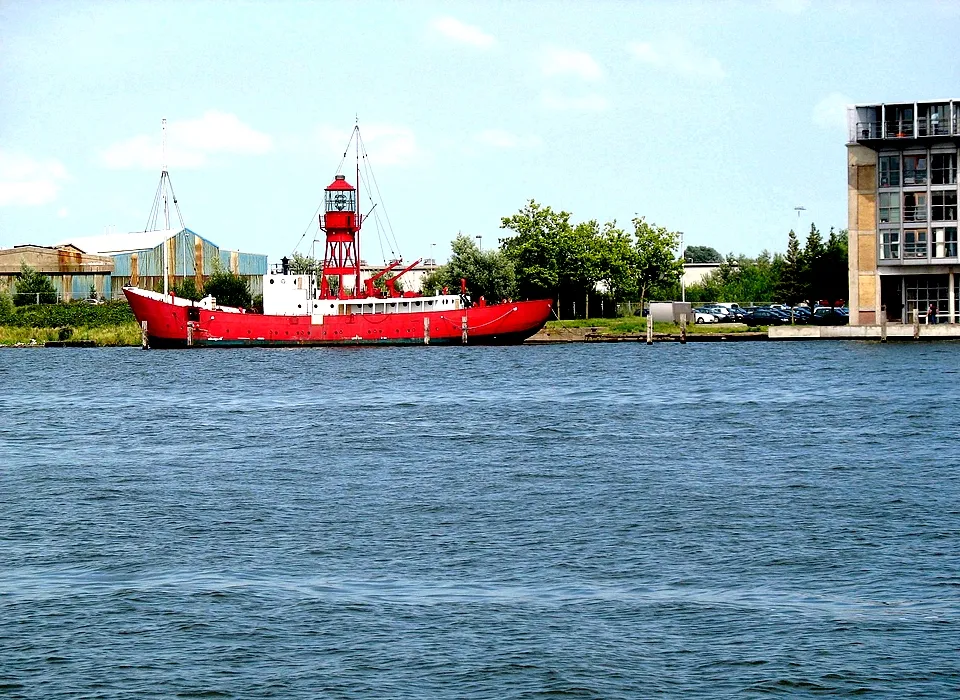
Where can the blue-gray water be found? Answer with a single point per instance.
(586, 521)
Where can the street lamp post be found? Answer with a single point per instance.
(683, 269)
(480, 244)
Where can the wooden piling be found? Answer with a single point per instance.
(883, 324)
(649, 328)
(683, 329)
(144, 340)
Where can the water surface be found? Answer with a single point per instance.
(584, 521)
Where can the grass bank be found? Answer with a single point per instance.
(636, 324)
(105, 336)
(109, 324)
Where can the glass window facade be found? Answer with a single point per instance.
(889, 207)
(890, 244)
(914, 206)
(914, 243)
(915, 169)
(889, 171)
(943, 206)
(944, 241)
(943, 169)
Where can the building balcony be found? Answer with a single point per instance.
(913, 123)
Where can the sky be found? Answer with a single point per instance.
(717, 119)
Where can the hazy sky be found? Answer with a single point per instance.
(714, 118)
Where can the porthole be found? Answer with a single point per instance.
(299, 306)
(271, 281)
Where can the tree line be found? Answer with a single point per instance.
(588, 268)
(578, 265)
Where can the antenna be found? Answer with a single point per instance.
(163, 129)
(798, 210)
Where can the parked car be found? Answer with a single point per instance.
(703, 316)
(723, 315)
(765, 317)
(830, 316)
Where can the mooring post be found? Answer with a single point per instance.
(463, 329)
(683, 329)
(426, 330)
(649, 328)
(916, 324)
(144, 341)
(189, 334)
(883, 324)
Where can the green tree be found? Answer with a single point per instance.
(656, 261)
(834, 282)
(228, 289)
(488, 273)
(618, 262)
(187, 289)
(33, 288)
(554, 258)
(6, 308)
(702, 254)
(740, 279)
(534, 249)
(790, 287)
(812, 265)
(305, 265)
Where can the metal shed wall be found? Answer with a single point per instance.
(190, 256)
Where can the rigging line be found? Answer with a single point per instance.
(376, 185)
(154, 209)
(175, 203)
(307, 229)
(346, 150)
(379, 230)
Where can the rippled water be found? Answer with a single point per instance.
(592, 521)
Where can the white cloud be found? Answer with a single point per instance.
(190, 144)
(386, 144)
(831, 111)
(462, 33)
(791, 7)
(25, 181)
(557, 61)
(497, 138)
(678, 56)
(582, 103)
(63, 212)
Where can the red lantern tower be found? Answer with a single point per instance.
(342, 224)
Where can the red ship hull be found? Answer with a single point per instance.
(176, 323)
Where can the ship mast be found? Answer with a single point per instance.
(162, 198)
(166, 209)
(356, 133)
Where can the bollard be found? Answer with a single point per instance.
(144, 341)
(649, 328)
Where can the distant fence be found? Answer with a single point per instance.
(28, 298)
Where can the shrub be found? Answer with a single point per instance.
(33, 288)
(187, 289)
(228, 289)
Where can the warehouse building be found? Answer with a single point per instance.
(75, 274)
(140, 259)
